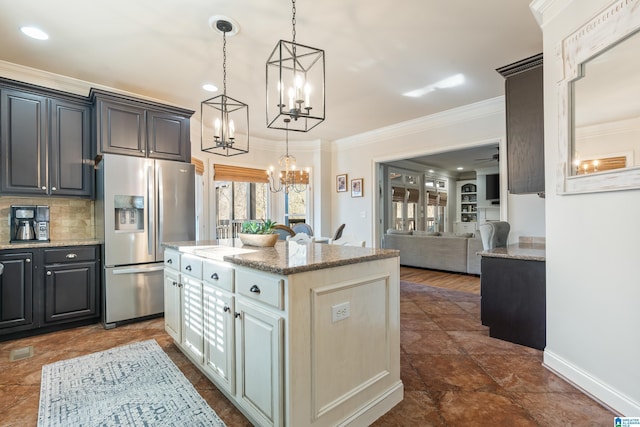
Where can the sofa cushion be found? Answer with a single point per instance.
(426, 233)
(401, 232)
(435, 252)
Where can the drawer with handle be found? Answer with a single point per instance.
(261, 287)
(218, 275)
(172, 259)
(191, 265)
(70, 254)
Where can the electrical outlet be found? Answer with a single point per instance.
(340, 312)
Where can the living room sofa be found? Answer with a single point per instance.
(438, 251)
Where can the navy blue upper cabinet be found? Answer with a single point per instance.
(135, 127)
(46, 142)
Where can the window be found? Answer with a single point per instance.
(296, 206)
(241, 194)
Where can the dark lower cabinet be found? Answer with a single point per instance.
(513, 303)
(45, 289)
(16, 291)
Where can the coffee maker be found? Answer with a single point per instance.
(29, 223)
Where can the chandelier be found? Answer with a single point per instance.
(295, 85)
(289, 179)
(224, 120)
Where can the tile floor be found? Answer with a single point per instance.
(453, 373)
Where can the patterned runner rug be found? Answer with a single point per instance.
(132, 385)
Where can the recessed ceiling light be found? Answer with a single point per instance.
(210, 87)
(35, 33)
(459, 168)
(431, 171)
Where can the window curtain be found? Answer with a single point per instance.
(442, 199)
(238, 174)
(199, 164)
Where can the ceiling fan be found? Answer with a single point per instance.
(495, 157)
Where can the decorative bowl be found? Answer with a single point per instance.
(261, 240)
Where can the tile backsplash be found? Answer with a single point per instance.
(70, 218)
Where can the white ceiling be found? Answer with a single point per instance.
(375, 51)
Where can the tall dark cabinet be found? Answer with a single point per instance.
(525, 125)
(46, 142)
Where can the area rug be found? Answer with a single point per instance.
(132, 385)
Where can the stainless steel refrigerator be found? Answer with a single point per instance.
(140, 204)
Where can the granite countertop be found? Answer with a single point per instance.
(51, 244)
(285, 258)
(523, 251)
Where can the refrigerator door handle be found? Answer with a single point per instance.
(136, 270)
(150, 210)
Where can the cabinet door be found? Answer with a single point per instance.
(172, 305)
(16, 291)
(24, 141)
(259, 362)
(192, 326)
(525, 131)
(70, 291)
(121, 129)
(219, 343)
(168, 136)
(70, 172)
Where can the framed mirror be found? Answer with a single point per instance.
(599, 103)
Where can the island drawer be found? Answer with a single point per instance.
(218, 275)
(262, 287)
(172, 259)
(191, 266)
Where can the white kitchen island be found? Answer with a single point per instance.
(296, 335)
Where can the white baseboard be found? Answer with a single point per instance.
(619, 403)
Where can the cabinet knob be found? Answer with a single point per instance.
(255, 289)
(48, 273)
(214, 276)
(170, 261)
(179, 285)
(237, 315)
(175, 283)
(71, 256)
(188, 268)
(227, 308)
(44, 188)
(53, 188)
(28, 260)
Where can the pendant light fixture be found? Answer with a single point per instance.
(295, 85)
(289, 179)
(224, 120)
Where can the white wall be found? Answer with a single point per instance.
(593, 286)
(472, 125)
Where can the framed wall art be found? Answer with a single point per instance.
(356, 187)
(341, 183)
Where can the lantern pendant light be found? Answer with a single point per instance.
(289, 179)
(224, 120)
(295, 85)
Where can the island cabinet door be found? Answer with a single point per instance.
(259, 362)
(192, 332)
(173, 305)
(219, 336)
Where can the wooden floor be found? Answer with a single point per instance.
(441, 279)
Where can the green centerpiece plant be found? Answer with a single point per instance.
(255, 233)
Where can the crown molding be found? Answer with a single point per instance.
(545, 10)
